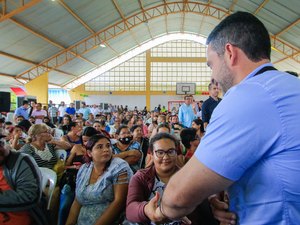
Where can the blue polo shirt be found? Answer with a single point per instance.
(71, 111)
(86, 112)
(186, 115)
(21, 111)
(253, 139)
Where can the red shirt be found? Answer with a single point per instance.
(12, 218)
(189, 155)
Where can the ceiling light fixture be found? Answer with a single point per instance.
(100, 42)
(275, 49)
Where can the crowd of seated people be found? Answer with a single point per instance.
(103, 153)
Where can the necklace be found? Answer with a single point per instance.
(94, 174)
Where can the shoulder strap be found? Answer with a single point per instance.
(10, 171)
(264, 69)
(13, 163)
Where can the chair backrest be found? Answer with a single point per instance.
(58, 134)
(61, 154)
(48, 177)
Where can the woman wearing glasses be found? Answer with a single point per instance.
(147, 185)
(165, 128)
(41, 146)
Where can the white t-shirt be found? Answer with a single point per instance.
(62, 110)
(39, 113)
(95, 111)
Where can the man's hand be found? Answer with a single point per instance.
(220, 210)
(152, 211)
(155, 214)
(194, 105)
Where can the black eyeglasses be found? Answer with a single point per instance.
(161, 153)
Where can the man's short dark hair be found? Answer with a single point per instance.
(25, 124)
(188, 96)
(25, 102)
(244, 30)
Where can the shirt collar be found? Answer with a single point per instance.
(256, 70)
(250, 75)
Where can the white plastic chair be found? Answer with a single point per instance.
(58, 133)
(48, 176)
(61, 154)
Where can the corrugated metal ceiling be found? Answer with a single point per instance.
(48, 28)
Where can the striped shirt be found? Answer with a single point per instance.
(46, 158)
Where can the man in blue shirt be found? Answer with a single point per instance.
(22, 111)
(85, 111)
(187, 112)
(252, 145)
(71, 110)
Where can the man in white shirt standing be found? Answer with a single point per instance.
(95, 110)
(39, 114)
(52, 111)
(61, 111)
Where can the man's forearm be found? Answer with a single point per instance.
(189, 187)
(171, 205)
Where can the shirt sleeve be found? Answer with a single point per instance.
(17, 112)
(180, 115)
(239, 134)
(135, 145)
(122, 168)
(137, 198)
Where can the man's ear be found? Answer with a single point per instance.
(231, 54)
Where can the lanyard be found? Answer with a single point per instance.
(264, 69)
